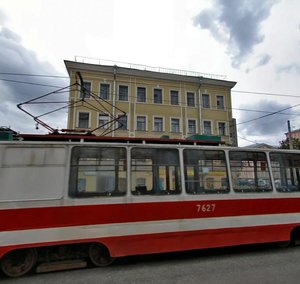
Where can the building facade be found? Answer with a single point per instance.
(143, 103)
(294, 134)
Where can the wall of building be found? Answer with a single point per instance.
(215, 110)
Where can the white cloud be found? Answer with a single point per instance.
(290, 68)
(239, 26)
(14, 89)
(261, 37)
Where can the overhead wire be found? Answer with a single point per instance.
(281, 111)
(54, 86)
(33, 75)
(265, 94)
(29, 83)
(67, 77)
(212, 107)
(269, 114)
(243, 138)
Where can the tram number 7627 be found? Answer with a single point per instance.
(206, 207)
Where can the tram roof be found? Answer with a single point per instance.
(94, 138)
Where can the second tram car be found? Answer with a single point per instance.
(72, 200)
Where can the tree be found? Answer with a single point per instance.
(285, 144)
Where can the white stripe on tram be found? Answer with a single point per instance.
(137, 228)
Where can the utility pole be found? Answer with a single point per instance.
(290, 135)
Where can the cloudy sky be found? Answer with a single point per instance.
(253, 42)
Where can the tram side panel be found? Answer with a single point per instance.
(32, 173)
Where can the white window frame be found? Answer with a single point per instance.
(127, 119)
(220, 108)
(211, 126)
(178, 104)
(77, 120)
(146, 122)
(145, 94)
(162, 96)
(163, 123)
(225, 129)
(187, 125)
(86, 81)
(194, 104)
(209, 101)
(103, 115)
(105, 83)
(180, 126)
(124, 85)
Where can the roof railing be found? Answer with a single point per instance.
(97, 61)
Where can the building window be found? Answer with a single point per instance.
(220, 102)
(191, 126)
(85, 90)
(103, 120)
(122, 119)
(207, 127)
(141, 94)
(141, 123)
(157, 96)
(123, 93)
(175, 125)
(190, 99)
(205, 101)
(158, 124)
(104, 91)
(174, 97)
(222, 128)
(83, 120)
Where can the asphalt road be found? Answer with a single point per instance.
(247, 264)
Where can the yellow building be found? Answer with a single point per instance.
(150, 102)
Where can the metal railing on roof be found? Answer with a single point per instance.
(98, 61)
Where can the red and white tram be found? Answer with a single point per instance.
(63, 200)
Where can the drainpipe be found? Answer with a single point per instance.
(114, 98)
(200, 105)
(184, 109)
(72, 111)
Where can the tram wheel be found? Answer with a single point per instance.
(18, 262)
(99, 255)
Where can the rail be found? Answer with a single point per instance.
(98, 61)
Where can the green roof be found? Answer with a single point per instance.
(214, 138)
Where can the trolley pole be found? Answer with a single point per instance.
(290, 135)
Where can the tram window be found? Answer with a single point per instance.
(155, 171)
(205, 171)
(285, 169)
(98, 171)
(249, 171)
